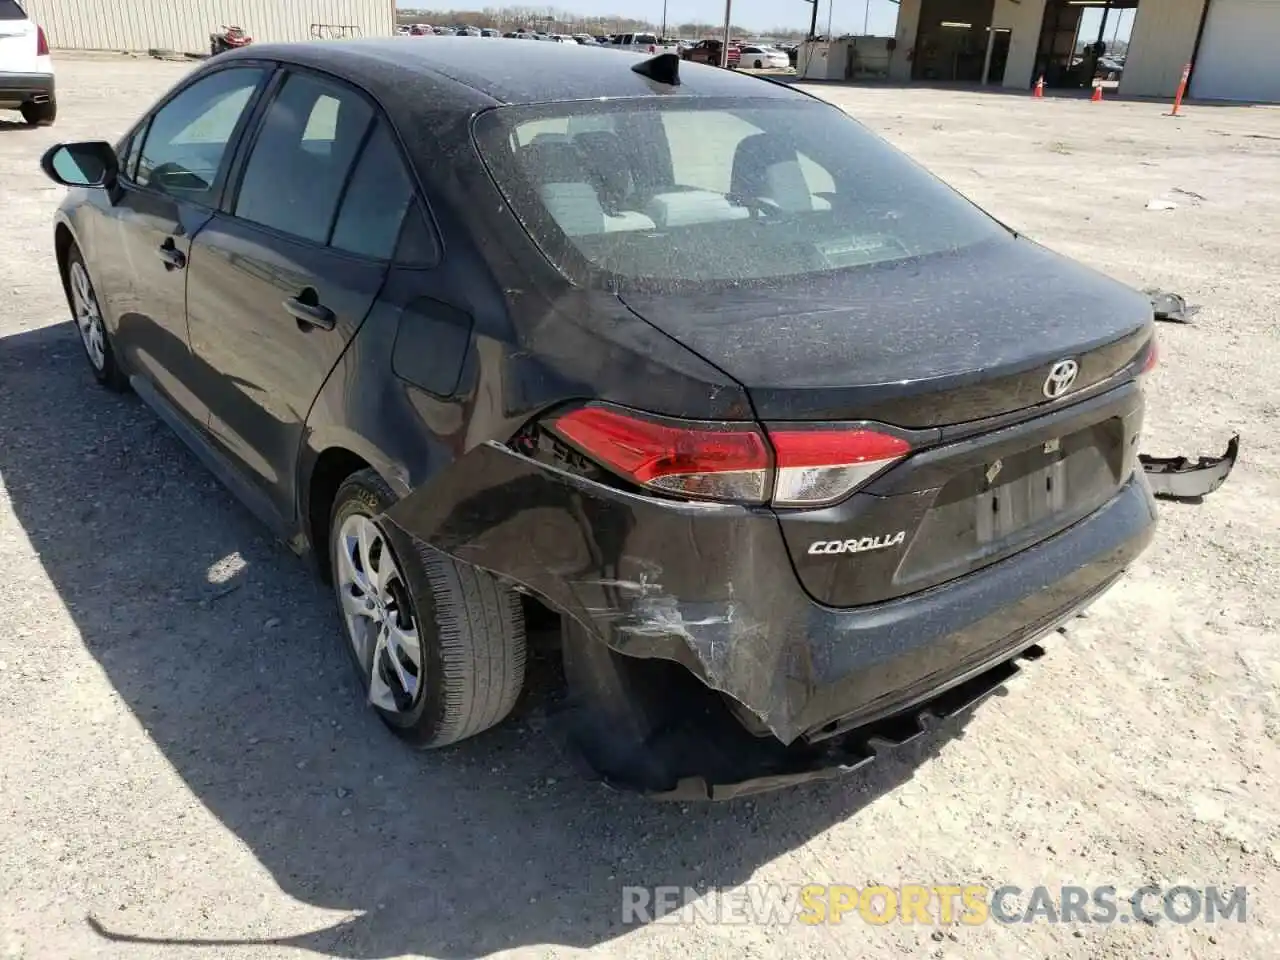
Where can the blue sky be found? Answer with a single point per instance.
(752, 14)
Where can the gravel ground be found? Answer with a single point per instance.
(187, 771)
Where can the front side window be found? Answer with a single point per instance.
(129, 152)
(189, 138)
(299, 163)
(681, 191)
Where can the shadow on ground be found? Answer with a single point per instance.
(224, 646)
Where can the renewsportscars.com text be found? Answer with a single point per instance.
(933, 904)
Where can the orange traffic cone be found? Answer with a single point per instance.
(1097, 95)
(1038, 90)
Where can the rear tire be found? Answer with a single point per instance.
(469, 627)
(40, 114)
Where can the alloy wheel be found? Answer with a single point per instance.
(378, 614)
(88, 316)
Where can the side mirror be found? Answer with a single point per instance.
(91, 163)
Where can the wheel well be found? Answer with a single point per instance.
(331, 469)
(62, 243)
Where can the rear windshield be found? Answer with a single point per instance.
(695, 192)
(10, 10)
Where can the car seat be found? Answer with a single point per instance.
(569, 192)
(767, 167)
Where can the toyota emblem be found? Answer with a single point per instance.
(1062, 377)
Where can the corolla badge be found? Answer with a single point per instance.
(858, 546)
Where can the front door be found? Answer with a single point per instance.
(168, 190)
(282, 278)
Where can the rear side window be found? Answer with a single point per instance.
(299, 163)
(376, 200)
(665, 192)
(10, 10)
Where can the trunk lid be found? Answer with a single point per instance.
(942, 340)
(958, 347)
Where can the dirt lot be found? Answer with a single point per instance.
(186, 770)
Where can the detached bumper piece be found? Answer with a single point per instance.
(1171, 307)
(1177, 478)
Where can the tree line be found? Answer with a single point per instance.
(550, 20)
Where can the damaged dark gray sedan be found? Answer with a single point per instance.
(795, 444)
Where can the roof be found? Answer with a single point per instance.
(505, 71)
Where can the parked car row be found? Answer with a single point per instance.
(755, 56)
(426, 30)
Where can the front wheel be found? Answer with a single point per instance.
(87, 313)
(438, 645)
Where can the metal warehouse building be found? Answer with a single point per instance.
(185, 25)
(1233, 46)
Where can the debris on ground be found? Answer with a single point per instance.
(1158, 204)
(1171, 307)
(1177, 478)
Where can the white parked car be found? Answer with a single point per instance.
(642, 43)
(764, 58)
(26, 69)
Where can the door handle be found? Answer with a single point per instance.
(174, 259)
(310, 314)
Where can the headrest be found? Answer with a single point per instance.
(553, 162)
(607, 161)
(753, 158)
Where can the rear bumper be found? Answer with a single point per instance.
(873, 662)
(711, 586)
(26, 88)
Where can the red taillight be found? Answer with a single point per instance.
(731, 461)
(707, 461)
(1149, 364)
(42, 43)
(1153, 357)
(823, 465)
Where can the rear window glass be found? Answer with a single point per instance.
(683, 192)
(10, 10)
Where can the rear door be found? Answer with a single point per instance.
(17, 39)
(283, 276)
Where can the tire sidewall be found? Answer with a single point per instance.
(111, 375)
(358, 496)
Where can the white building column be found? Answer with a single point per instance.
(905, 36)
(1023, 20)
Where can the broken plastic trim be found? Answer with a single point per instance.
(1177, 478)
(664, 68)
(857, 748)
(1171, 307)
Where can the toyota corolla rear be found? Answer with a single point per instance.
(935, 462)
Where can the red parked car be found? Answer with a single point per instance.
(708, 51)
